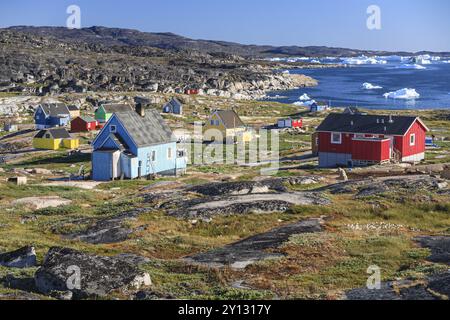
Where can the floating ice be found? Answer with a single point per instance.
(411, 66)
(364, 60)
(315, 61)
(304, 103)
(369, 86)
(305, 97)
(405, 94)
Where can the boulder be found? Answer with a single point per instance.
(23, 258)
(41, 171)
(342, 175)
(87, 276)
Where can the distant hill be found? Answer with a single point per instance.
(170, 41)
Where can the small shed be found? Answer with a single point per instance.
(55, 139)
(290, 123)
(174, 106)
(83, 124)
(8, 127)
(191, 91)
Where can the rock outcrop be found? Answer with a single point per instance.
(22, 258)
(256, 248)
(86, 276)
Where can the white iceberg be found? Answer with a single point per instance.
(304, 103)
(411, 66)
(404, 94)
(369, 86)
(364, 60)
(305, 97)
(315, 61)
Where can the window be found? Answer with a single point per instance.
(412, 140)
(169, 153)
(336, 138)
(153, 156)
(113, 129)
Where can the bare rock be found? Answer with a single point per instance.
(98, 275)
(256, 248)
(23, 258)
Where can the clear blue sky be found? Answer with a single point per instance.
(406, 24)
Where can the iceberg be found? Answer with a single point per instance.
(369, 86)
(363, 60)
(304, 103)
(411, 66)
(305, 97)
(315, 61)
(404, 94)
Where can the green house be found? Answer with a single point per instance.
(105, 111)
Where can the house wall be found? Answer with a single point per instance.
(74, 114)
(162, 163)
(325, 144)
(71, 143)
(46, 144)
(371, 150)
(40, 119)
(106, 165)
(406, 149)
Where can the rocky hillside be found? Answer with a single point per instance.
(35, 62)
(127, 37)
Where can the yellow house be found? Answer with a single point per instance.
(54, 139)
(74, 112)
(226, 124)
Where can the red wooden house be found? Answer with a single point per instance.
(83, 124)
(353, 140)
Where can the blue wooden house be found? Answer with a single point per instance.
(318, 108)
(136, 144)
(174, 106)
(51, 115)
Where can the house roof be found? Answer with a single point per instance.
(87, 119)
(368, 124)
(230, 119)
(73, 108)
(58, 133)
(148, 130)
(116, 107)
(55, 109)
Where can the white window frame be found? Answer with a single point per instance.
(169, 154)
(334, 141)
(113, 128)
(412, 140)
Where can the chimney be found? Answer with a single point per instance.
(140, 109)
